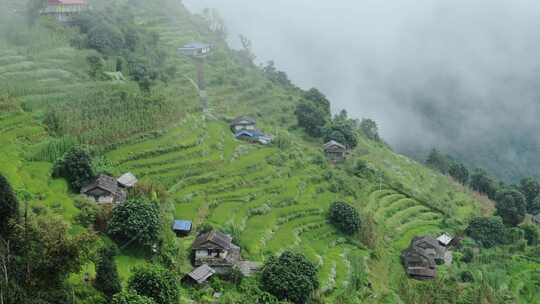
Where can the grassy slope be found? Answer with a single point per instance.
(213, 178)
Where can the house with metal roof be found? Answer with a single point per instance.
(182, 227)
(64, 10)
(255, 136)
(335, 151)
(105, 190)
(217, 250)
(196, 49)
(445, 239)
(127, 180)
(200, 274)
(243, 123)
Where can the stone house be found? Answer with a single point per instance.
(215, 249)
(335, 151)
(243, 123)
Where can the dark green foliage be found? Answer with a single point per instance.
(468, 255)
(342, 130)
(9, 207)
(277, 77)
(130, 298)
(319, 100)
(88, 212)
(466, 276)
(96, 66)
(52, 121)
(75, 167)
(534, 206)
(530, 188)
(344, 217)
(459, 172)
(437, 161)
(156, 283)
(135, 222)
(510, 206)
(530, 233)
(481, 182)
(290, 277)
(107, 279)
(370, 129)
(487, 231)
(311, 118)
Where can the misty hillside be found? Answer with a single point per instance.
(110, 93)
(455, 75)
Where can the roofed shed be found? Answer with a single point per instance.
(335, 151)
(200, 274)
(215, 249)
(243, 123)
(182, 227)
(196, 49)
(445, 239)
(127, 180)
(105, 189)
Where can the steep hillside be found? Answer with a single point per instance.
(270, 198)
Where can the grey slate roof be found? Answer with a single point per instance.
(127, 180)
(201, 273)
(196, 45)
(103, 182)
(334, 145)
(213, 239)
(243, 120)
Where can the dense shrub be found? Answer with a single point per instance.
(107, 279)
(311, 118)
(487, 231)
(290, 277)
(131, 298)
(437, 161)
(156, 283)
(344, 217)
(9, 207)
(510, 206)
(135, 222)
(481, 182)
(530, 233)
(370, 129)
(75, 167)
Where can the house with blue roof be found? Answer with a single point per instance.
(255, 136)
(182, 227)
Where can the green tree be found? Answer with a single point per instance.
(290, 277)
(344, 217)
(534, 206)
(130, 298)
(530, 234)
(370, 129)
(511, 207)
(311, 118)
(319, 100)
(530, 188)
(459, 172)
(487, 231)
(9, 207)
(481, 182)
(107, 279)
(437, 161)
(156, 283)
(135, 222)
(75, 167)
(342, 131)
(96, 66)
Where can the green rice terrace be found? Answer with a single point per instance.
(270, 198)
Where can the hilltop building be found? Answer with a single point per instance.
(335, 151)
(243, 123)
(105, 190)
(182, 227)
(245, 128)
(64, 10)
(196, 49)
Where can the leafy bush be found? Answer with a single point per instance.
(344, 217)
(510, 206)
(88, 212)
(311, 118)
(135, 222)
(290, 277)
(530, 233)
(75, 167)
(370, 129)
(487, 231)
(127, 297)
(156, 283)
(107, 279)
(9, 206)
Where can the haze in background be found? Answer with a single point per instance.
(460, 75)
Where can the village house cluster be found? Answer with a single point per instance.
(245, 128)
(106, 189)
(424, 254)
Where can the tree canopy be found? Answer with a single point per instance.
(107, 279)
(311, 118)
(135, 222)
(370, 129)
(290, 277)
(510, 206)
(531, 189)
(344, 217)
(9, 207)
(483, 183)
(487, 231)
(75, 167)
(127, 297)
(156, 283)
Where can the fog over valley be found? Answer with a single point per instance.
(462, 76)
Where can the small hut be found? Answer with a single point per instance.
(254, 136)
(196, 49)
(104, 189)
(127, 180)
(217, 250)
(335, 151)
(182, 227)
(243, 123)
(200, 274)
(445, 239)
(64, 10)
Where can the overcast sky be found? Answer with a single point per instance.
(473, 62)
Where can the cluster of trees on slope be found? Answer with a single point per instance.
(314, 116)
